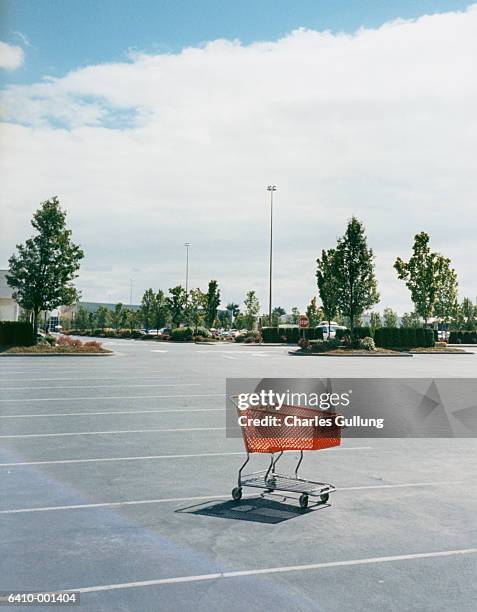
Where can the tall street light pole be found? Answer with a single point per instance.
(271, 189)
(187, 245)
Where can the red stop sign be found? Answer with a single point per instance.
(303, 321)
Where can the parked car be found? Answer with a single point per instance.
(329, 329)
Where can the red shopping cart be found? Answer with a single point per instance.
(265, 429)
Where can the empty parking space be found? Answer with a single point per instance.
(116, 476)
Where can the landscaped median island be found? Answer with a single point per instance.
(384, 342)
(18, 338)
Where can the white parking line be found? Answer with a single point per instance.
(167, 500)
(35, 388)
(67, 414)
(273, 570)
(98, 378)
(115, 431)
(148, 457)
(108, 397)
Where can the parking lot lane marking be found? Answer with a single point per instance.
(272, 570)
(115, 431)
(102, 386)
(167, 500)
(109, 397)
(67, 414)
(140, 458)
(97, 378)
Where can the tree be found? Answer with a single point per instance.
(161, 311)
(446, 304)
(375, 321)
(102, 317)
(252, 309)
(411, 319)
(277, 312)
(81, 318)
(429, 278)
(148, 305)
(234, 310)
(117, 316)
(353, 266)
(295, 314)
(43, 270)
(196, 306)
(327, 285)
(176, 303)
(390, 318)
(212, 303)
(314, 312)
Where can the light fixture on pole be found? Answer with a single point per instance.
(187, 245)
(271, 189)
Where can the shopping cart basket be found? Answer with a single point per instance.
(280, 436)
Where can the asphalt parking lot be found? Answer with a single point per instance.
(116, 475)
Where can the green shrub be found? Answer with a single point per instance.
(271, 334)
(16, 333)
(341, 333)
(403, 337)
(249, 337)
(463, 337)
(202, 331)
(181, 334)
(363, 332)
(367, 344)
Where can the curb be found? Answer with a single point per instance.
(57, 354)
(348, 356)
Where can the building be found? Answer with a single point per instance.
(9, 309)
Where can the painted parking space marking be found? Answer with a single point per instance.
(111, 432)
(125, 386)
(168, 500)
(274, 570)
(149, 457)
(68, 414)
(109, 397)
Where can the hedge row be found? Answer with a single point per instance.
(404, 337)
(16, 333)
(291, 335)
(463, 337)
(359, 332)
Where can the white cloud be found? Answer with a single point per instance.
(160, 149)
(11, 56)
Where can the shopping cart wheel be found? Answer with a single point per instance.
(324, 497)
(237, 493)
(303, 500)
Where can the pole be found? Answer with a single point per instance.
(271, 189)
(187, 245)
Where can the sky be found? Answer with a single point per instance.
(160, 123)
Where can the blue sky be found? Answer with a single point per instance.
(68, 34)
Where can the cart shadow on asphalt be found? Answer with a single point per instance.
(253, 509)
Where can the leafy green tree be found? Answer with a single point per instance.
(390, 318)
(429, 278)
(446, 304)
(314, 312)
(411, 319)
(118, 316)
(277, 312)
(102, 317)
(212, 303)
(223, 317)
(375, 321)
(295, 313)
(91, 320)
(148, 306)
(81, 318)
(161, 311)
(327, 285)
(234, 309)
(252, 309)
(196, 305)
(176, 302)
(353, 266)
(44, 268)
